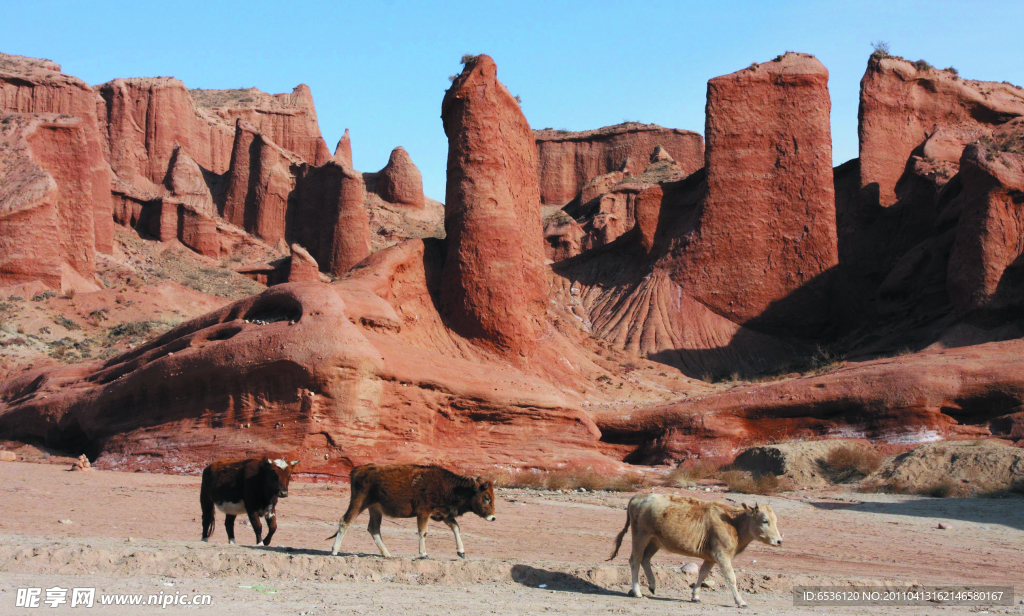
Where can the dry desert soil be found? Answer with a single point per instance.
(139, 533)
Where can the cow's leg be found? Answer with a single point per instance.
(454, 525)
(271, 526)
(229, 525)
(652, 549)
(421, 525)
(208, 516)
(725, 563)
(705, 569)
(355, 507)
(376, 515)
(257, 526)
(636, 557)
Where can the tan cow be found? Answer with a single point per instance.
(711, 531)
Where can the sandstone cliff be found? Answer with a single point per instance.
(568, 160)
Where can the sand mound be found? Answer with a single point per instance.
(971, 467)
(803, 463)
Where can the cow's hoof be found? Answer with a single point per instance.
(741, 605)
(695, 600)
(634, 593)
(652, 591)
(462, 555)
(421, 557)
(232, 542)
(206, 539)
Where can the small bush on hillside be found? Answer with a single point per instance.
(881, 49)
(572, 480)
(952, 71)
(746, 483)
(922, 65)
(66, 323)
(691, 471)
(468, 58)
(850, 462)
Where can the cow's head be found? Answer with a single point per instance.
(483, 500)
(762, 523)
(277, 473)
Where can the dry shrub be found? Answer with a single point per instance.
(850, 462)
(747, 483)
(692, 471)
(572, 480)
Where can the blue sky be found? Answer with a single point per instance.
(381, 67)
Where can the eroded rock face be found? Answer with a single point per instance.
(492, 287)
(767, 226)
(986, 270)
(46, 211)
(186, 181)
(28, 85)
(289, 120)
(400, 181)
(907, 110)
(569, 160)
(916, 397)
(330, 373)
(343, 151)
(329, 218)
(260, 183)
(146, 120)
(302, 267)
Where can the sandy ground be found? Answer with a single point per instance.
(138, 533)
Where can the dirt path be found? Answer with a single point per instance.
(135, 532)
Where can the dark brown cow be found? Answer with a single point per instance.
(249, 487)
(412, 491)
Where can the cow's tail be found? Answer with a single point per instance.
(618, 539)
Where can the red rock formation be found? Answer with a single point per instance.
(302, 266)
(187, 182)
(563, 236)
(938, 394)
(400, 181)
(767, 226)
(343, 151)
(492, 286)
(260, 183)
(568, 160)
(28, 85)
(46, 212)
(330, 219)
(986, 270)
(331, 373)
(147, 119)
(289, 120)
(906, 110)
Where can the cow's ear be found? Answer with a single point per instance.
(485, 486)
(294, 462)
(746, 507)
(479, 479)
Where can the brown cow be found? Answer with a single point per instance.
(412, 491)
(249, 487)
(711, 531)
